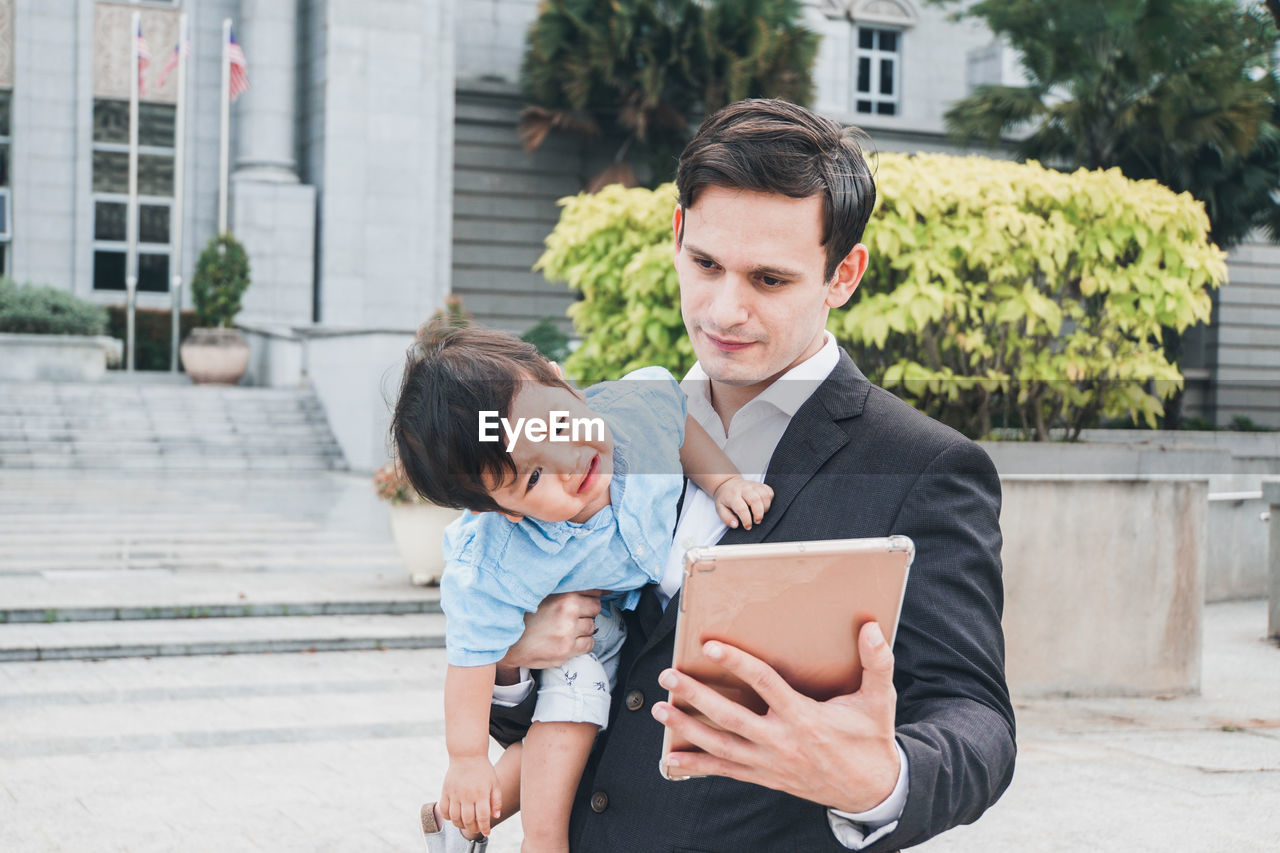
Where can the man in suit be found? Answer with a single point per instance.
(773, 201)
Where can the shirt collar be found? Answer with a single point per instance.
(786, 394)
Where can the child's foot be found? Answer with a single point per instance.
(443, 837)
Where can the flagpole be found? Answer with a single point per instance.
(131, 210)
(178, 215)
(224, 153)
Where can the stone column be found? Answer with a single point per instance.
(272, 214)
(266, 115)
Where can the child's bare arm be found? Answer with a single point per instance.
(714, 472)
(472, 797)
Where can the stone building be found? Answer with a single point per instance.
(375, 169)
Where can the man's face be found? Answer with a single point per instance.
(751, 282)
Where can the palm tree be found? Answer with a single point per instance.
(644, 71)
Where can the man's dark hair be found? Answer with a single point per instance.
(451, 375)
(772, 146)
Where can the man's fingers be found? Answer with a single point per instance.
(705, 764)
(731, 747)
(758, 675)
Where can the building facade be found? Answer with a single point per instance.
(375, 169)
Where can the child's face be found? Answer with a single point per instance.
(561, 480)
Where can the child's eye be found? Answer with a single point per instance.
(533, 478)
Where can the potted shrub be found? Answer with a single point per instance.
(416, 526)
(215, 352)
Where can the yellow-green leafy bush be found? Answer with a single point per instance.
(616, 248)
(998, 293)
(1014, 294)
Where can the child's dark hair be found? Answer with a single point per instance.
(451, 375)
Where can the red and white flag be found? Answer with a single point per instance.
(239, 76)
(181, 49)
(144, 60)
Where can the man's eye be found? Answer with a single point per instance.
(705, 263)
(534, 477)
(770, 281)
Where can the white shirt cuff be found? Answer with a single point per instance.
(862, 829)
(511, 695)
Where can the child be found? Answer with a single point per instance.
(487, 424)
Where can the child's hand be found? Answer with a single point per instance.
(739, 498)
(471, 797)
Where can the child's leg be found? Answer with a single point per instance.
(554, 757)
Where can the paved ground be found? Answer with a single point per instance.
(334, 751)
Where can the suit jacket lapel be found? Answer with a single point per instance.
(811, 438)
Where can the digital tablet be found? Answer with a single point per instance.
(798, 606)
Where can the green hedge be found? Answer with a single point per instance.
(41, 310)
(998, 294)
(151, 334)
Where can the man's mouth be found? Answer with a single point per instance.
(726, 344)
(590, 476)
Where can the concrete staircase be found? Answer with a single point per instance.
(151, 518)
(101, 564)
(159, 424)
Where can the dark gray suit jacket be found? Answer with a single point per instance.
(854, 462)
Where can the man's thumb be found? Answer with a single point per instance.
(877, 658)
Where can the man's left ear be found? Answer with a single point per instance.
(848, 276)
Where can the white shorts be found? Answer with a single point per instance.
(578, 691)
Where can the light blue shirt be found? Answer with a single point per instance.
(497, 571)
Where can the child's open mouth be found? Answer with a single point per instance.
(591, 474)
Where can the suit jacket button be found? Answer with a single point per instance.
(599, 802)
(635, 700)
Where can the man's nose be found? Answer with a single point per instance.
(728, 306)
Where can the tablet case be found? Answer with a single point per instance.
(798, 606)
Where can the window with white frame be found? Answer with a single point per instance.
(878, 71)
(6, 202)
(111, 193)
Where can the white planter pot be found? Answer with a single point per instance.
(215, 356)
(418, 530)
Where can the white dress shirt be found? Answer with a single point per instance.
(752, 436)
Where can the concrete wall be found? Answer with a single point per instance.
(386, 185)
(357, 378)
(1104, 585)
(1234, 465)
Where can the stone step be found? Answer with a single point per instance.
(39, 461)
(297, 560)
(217, 636)
(108, 415)
(77, 391)
(14, 555)
(15, 540)
(114, 594)
(172, 446)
